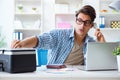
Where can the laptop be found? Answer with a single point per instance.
(99, 56)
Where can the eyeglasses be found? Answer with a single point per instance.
(86, 23)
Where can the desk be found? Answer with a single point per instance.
(64, 74)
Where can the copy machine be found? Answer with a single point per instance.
(17, 60)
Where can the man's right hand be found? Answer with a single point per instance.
(16, 44)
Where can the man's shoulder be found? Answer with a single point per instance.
(90, 38)
(62, 33)
(62, 30)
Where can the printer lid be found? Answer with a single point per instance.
(19, 51)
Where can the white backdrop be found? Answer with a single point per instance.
(6, 19)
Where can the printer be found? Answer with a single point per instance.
(18, 60)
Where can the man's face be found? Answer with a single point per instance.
(83, 24)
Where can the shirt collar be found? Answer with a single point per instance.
(72, 33)
(87, 38)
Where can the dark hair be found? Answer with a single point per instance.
(87, 10)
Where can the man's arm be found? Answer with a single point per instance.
(29, 42)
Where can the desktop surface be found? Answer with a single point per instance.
(69, 73)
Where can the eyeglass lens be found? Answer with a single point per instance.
(79, 21)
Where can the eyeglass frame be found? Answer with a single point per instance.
(86, 23)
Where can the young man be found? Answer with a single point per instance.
(66, 46)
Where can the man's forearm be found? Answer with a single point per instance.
(29, 42)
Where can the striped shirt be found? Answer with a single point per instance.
(59, 42)
(76, 56)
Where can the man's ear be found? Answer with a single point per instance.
(92, 25)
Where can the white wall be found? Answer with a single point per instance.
(48, 15)
(111, 35)
(6, 19)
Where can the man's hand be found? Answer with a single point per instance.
(99, 35)
(29, 42)
(16, 44)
